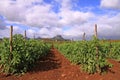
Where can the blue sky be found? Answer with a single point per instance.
(88, 3)
(69, 18)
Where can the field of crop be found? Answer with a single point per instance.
(84, 57)
(92, 55)
(25, 52)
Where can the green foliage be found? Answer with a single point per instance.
(23, 56)
(90, 54)
(115, 51)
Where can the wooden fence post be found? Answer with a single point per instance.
(25, 34)
(96, 35)
(11, 34)
(84, 36)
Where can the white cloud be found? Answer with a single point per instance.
(49, 23)
(25, 12)
(115, 4)
(73, 33)
(66, 4)
(109, 26)
(4, 33)
(41, 16)
(16, 10)
(11, 10)
(17, 30)
(69, 17)
(2, 23)
(30, 33)
(49, 32)
(76, 32)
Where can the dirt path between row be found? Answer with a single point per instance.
(56, 67)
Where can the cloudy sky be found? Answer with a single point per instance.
(69, 18)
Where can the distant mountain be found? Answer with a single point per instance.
(58, 37)
(38, 38)
(0, 39)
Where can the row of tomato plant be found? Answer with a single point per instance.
(24, 54)
(91, 59)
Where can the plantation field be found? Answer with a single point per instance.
(55, 66)
(23, 56)
(78, 60)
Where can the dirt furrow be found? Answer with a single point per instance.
(55, 66)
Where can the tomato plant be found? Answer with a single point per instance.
(23, 56)
(85, 53)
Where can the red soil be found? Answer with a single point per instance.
(56, 67)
